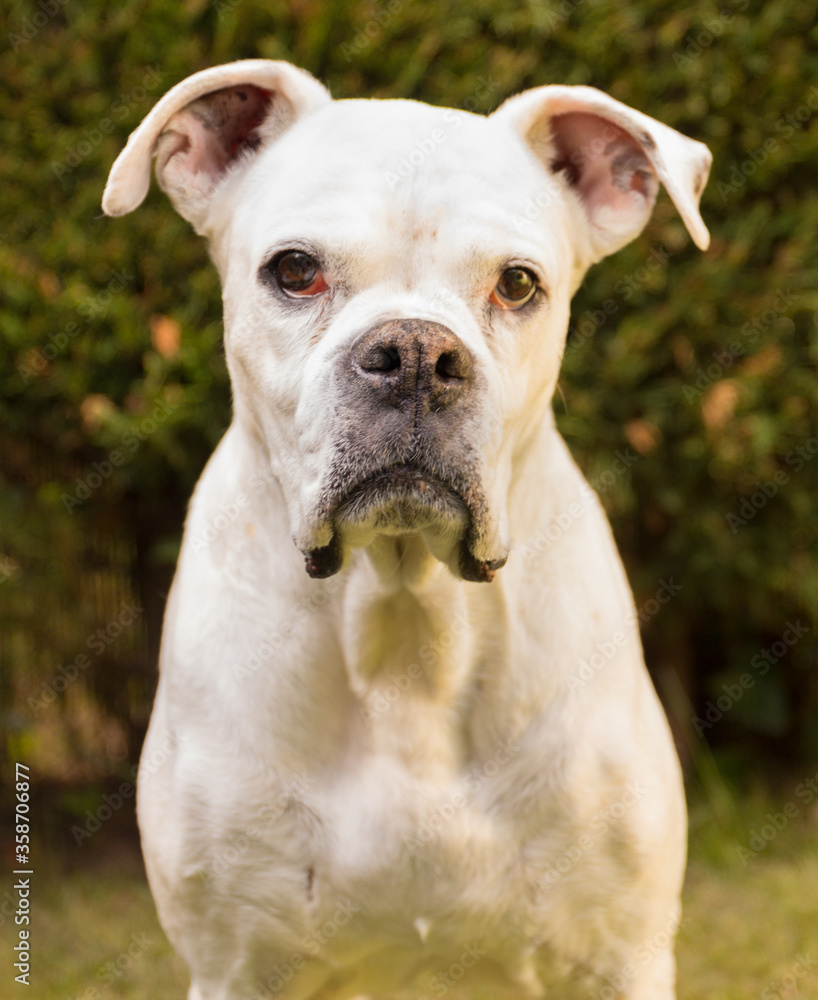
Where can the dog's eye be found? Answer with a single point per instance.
(515, 288)
(297, 273)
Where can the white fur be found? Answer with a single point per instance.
(394, 755)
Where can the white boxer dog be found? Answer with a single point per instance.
(404, 737)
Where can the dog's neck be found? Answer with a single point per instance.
(408, 629)
(417, 644)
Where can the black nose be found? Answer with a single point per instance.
(413, 362)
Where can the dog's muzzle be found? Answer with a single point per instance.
(413, 365)
(406, 452)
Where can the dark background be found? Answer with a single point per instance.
(700, 367)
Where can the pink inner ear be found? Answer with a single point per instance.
(603, 162)
(244, 133)
(217, 127)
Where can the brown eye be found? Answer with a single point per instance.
(515, 288)
(297, 273)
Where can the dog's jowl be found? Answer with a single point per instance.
(376, 773)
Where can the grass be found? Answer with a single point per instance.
(747, 932)
(750, 930)
(750, 925)
(95, 936)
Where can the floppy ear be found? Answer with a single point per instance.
(613, 159)
(204, 126)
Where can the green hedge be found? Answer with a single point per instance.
(700, 369)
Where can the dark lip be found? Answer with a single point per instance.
(413, 484)
(401, 482)
(395, 483)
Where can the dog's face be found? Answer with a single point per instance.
(397, 281)
(394, 335)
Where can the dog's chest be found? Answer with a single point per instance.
(414, 822)
(391, 881)
(371, 876)
(412, 833)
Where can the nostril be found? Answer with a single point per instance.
(381, 359)
(448, 366)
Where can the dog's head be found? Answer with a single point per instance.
(397, 281)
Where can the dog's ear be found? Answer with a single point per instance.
(613, 158)
(204, 126)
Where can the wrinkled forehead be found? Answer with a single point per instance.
(357, 171)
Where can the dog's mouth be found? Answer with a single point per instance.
(402, 499)
(405, 499)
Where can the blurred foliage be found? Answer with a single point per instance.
(113, 388)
